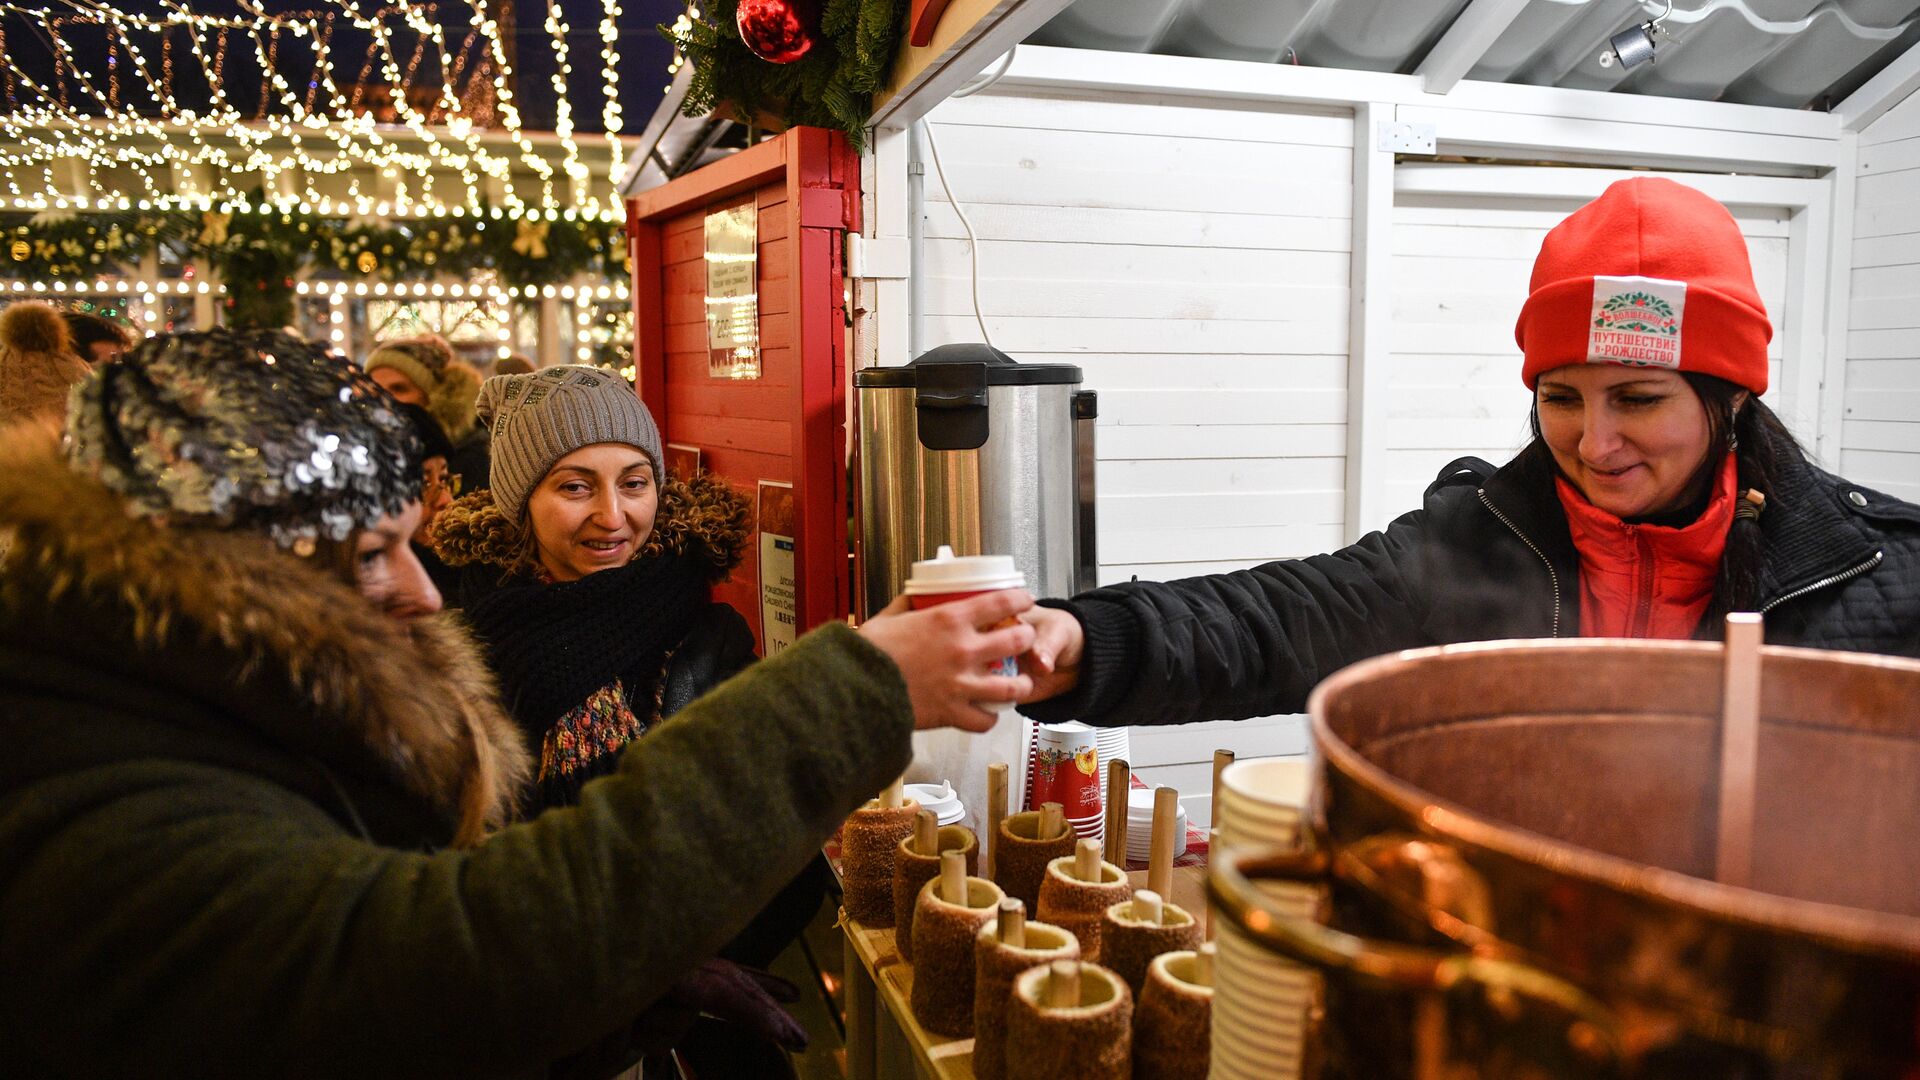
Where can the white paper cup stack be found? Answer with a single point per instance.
(1140, 826)
(1260, 1001)
(1115, 743)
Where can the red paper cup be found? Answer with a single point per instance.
(949, 577)
(1065, 768)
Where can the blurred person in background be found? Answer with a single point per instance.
(435, 494)
(424, 371)
(513, 365)
(257, 801)
(37, 364)
(97, 340)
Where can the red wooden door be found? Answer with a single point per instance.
(788, 426)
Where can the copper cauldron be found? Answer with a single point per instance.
(1518, 842)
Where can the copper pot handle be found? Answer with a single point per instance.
(1385, 963)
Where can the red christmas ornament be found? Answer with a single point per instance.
(779, 31)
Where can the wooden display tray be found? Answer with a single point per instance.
(883, 1038)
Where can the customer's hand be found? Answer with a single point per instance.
(745, 996)
(1053, 663)
(944, 652)
(728, 992)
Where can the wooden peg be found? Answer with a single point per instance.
(1119, 779)
(1203, 964)
(1221, 759)
(1739, 748)
(1052, 819)
(890, 796)
(1013, 923)
(996, 812)
(1213, 852)
(1063, 984)
(953, 877)
(1086, 860)
(1166, 812)
(926, 834)
(1146, 907)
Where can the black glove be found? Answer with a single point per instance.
(745, 996)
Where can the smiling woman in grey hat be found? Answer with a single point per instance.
(587, 570)
(588, 573)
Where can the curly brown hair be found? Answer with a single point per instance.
(704, 518)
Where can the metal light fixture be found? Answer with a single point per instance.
(1634, 45)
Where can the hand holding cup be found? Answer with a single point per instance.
(944, 653)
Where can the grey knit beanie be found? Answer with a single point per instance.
(539, 418)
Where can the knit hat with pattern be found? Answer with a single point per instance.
(539, 418)
(1650, 274)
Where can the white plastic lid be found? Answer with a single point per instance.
(950, 573)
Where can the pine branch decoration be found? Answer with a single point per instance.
(831, 87)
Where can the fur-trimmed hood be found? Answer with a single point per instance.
(702, 517)
(358, 689)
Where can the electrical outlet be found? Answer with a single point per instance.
(1399, 138)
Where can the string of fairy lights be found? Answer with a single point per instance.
(385, 109)
(447, 86)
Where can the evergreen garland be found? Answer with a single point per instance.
(831, 87)
(260, 254)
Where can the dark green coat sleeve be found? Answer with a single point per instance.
(175, 919)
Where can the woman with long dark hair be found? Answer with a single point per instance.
(1658, 494)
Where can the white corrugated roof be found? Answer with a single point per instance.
(1786, 53)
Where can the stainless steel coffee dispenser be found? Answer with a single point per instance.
(969, 448)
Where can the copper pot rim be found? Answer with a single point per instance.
(1847, 928)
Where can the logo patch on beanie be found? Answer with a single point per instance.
(1636, 321)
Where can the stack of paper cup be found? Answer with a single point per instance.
(1140, 826)
(1261, 1001)
(1064, 767)
(1114, 743)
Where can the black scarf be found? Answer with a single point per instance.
(553, 645)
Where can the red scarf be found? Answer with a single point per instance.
(1647, 581)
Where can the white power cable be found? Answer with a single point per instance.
(973, 242)
(982, 82)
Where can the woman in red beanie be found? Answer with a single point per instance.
(1658, 494)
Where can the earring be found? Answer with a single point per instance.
(1733, 439)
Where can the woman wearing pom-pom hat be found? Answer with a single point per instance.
(1658, 493)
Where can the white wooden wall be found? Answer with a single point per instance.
(1194, 262)
(1880, 434)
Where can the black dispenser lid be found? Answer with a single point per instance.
(950, 384)
(1001, 369)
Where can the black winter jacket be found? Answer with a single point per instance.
(1487, 557)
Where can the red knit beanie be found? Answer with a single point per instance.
(1650, 274)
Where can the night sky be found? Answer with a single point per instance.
(31, 54)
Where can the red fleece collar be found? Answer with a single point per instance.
(1640, 580)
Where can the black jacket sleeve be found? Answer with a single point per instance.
(1250, 643)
